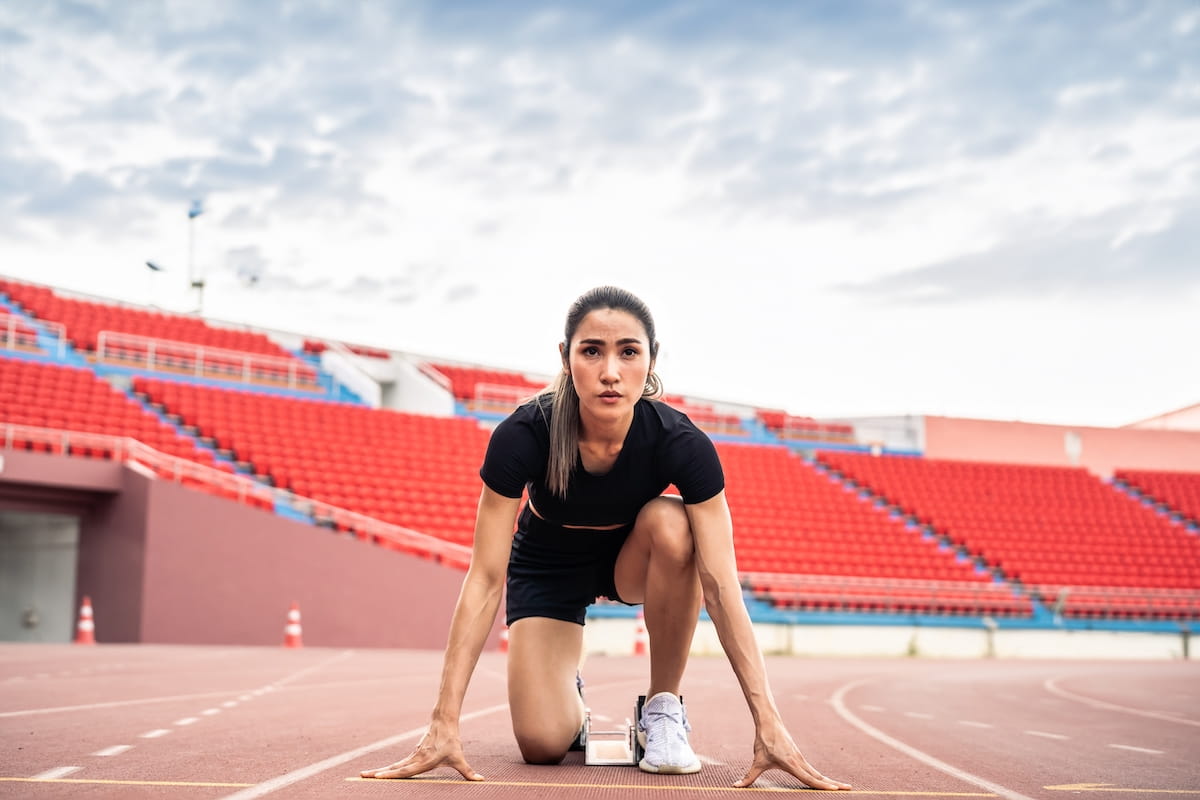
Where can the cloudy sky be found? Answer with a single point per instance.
(836, 207)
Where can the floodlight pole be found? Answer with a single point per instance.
(194, 281)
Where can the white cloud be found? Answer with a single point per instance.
(836, 210)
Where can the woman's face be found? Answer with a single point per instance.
(609, 361)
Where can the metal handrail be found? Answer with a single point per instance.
(120, 347)
(12, 326)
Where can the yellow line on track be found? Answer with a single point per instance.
(124, 783)
(676, 788)
(1075, 788)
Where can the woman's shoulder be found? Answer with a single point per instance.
(534, 413)
(669, 420)
(663, 412)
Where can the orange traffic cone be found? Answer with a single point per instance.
(641, 641)
(504, 639)
(85, 631)
(291, 631)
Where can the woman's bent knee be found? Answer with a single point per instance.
(540, 750)
(668, 524)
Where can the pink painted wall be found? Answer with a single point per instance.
(219, 572)
(166, 564)
(1102, 449)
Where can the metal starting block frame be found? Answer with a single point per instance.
(616, 748)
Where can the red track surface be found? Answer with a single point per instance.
(198, 722)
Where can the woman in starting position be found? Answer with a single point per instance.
(595, 452)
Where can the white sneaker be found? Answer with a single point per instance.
(663, 731)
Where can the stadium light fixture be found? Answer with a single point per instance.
(195, 279)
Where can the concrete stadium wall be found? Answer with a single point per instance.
(1101, 450)
(167, 564)
(1183, 419)
(615, 636)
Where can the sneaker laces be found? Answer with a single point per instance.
(658, 716)
(665, 726)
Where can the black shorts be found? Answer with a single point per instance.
(558, 572)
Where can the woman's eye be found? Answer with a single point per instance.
(589, 351)
(630, 352)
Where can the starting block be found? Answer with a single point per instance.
(615, 748)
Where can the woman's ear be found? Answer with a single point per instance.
(562, 353)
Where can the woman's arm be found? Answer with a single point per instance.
(712, 530)
(474, 614)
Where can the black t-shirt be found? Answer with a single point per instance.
(662, 447)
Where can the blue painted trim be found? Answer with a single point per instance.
(762, 614)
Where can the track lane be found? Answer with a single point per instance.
(994, 720)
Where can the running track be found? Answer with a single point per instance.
(210, 722)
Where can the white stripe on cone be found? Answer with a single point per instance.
(292, 631)
(85, 631)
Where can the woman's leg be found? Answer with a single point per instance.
(657, 567)
(547, 711)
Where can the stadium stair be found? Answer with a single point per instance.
(333, 389)
(1175, 495)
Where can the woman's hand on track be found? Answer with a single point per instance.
(438, 747)
(775, 749)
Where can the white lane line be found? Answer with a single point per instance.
(918, 715)
(115, 750)
(1045, 735)
(56, 773)
(304, 773)
(208, 712)
(873, 708)
(229, 704)
(1137, 749)
(839, 705)
(114, 704)
(973, 724)
(187, 720)
(154, 734)
(170, 698)
(1051, 686)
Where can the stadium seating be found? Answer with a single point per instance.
(881, 534)
(1180, 491)
(465, 381)
(315, 347)
(706, 418)
(787, 426)
(790, 520)
(1087, 549)
(411, 470)
(71, 399)
(84, 321)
